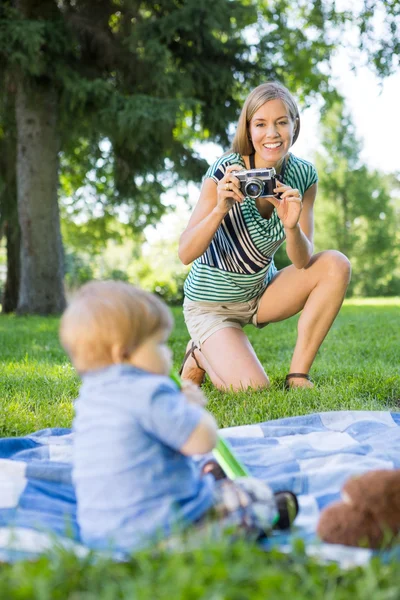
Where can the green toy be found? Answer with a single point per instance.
(286, 501)
(232, 467)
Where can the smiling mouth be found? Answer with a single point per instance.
(272, 146)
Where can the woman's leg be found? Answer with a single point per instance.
(318, 291)
(229, 360)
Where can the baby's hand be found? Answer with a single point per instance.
(193, 393)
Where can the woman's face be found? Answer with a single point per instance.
(271, 130)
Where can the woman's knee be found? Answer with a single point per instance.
(335, 265)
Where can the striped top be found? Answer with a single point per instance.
(238, 264)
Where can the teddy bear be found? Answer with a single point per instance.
(368, 515)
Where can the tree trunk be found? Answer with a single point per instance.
(41, 285)
(8, 192)
(11, 289)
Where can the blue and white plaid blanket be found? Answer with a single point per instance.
(312, 455)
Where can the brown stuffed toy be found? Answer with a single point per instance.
(368, 514)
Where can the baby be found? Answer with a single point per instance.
(135, 432)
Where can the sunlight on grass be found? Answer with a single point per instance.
(391, 301)
(356, 368)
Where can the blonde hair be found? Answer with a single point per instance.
(104, 314)
(257, 98)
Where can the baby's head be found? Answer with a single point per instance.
(111, 322)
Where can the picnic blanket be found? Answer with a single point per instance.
(312, 455)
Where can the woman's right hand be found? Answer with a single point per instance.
(228, 190)
(214, 203)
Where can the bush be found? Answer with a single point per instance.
(77, 270)
(171, 290)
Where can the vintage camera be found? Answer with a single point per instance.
(257, 183)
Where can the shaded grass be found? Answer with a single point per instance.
(357, 368)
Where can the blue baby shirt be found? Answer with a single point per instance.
(131, 481)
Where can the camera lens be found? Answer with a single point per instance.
(253, 188)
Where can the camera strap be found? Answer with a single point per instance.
(281, 175)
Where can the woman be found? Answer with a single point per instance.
(232, 240)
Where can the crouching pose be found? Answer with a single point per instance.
(135, 432)
(240, 220)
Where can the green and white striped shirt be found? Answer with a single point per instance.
(238, 264)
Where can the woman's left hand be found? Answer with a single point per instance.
(288, 206)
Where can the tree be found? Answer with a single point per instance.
(354, 211)
(38, 144)
(8, 194)
(150, 78)
(379, 26)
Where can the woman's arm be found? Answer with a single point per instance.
(299, 239)
(297, 216)
(213, 204)
(204, 222)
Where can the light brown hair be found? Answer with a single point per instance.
(260, 95)
(104, 314)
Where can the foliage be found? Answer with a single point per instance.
(77, 270)
(138, 83)
(356, 211)
(379, 24)
(151, 79)
(138, 75)
(155, 267)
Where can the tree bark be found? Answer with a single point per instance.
(11, 288)
(41, 284)
(8, 192)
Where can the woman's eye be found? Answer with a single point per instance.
(282, 123)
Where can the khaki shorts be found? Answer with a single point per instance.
(205, 318)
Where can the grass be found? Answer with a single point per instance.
(357, 368)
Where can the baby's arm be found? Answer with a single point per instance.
(177, 418)
(203, 438)
(193, 393)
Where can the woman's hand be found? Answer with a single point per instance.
(228, 189)
(288, 206)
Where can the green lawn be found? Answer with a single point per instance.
(358, 367)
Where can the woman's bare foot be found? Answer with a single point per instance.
(300, 383)
(298, 380)
(190, 369)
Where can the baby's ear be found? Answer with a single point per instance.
(119, 353)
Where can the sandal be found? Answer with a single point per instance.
(193, 374)
(293, 376)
